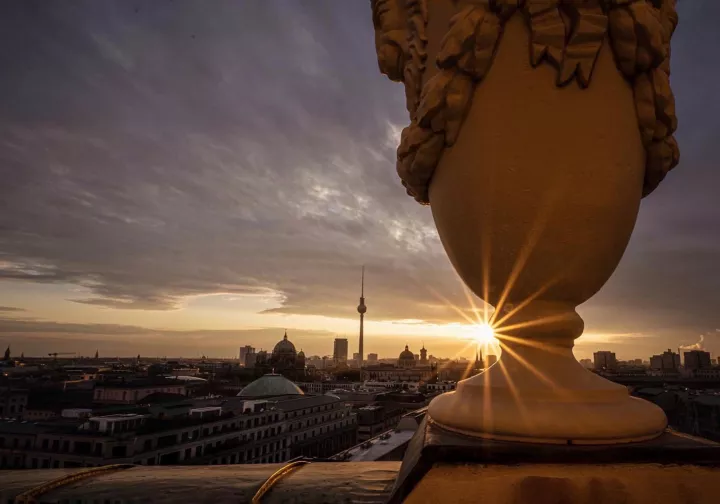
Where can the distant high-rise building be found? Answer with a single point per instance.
(356, 356)
(491, 359)
(372, 357)
(244, 351)
(586, 363)
(697, 359)
(667, 361)
(251, 358)
(604, 360)
(340, 350)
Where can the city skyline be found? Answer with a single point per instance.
(221, 187)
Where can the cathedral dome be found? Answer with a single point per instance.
(284, 347)
(270, 385)
(406, 354)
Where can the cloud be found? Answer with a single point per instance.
(713, 336)
(10, 309)
(249, 148)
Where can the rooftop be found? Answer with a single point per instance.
(378, 447)
(118, 416)
(270, 385)
(157, 382)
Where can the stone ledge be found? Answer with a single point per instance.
(432, 444)
(315, 483)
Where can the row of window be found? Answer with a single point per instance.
(321, 430)
(316, 420)
(315, 409)
(12, 409)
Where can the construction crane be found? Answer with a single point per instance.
(55, 354)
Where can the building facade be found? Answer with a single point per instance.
(244, 352)
(668, 361)
(340, 350)
(13, 402)
(697, 359)
(604, 361)
(272, 423)
(132, 392)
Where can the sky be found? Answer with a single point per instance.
(186, 177)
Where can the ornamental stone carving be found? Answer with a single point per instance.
(566, 34)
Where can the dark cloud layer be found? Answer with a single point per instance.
(155, 150)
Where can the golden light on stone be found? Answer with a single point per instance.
(535, 130)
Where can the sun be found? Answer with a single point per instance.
(484, 333)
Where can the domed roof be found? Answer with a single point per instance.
(406, 354)
(270, 385)
(284, 347)
(301, 354)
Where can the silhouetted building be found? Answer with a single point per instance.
(374, 419)
(131, 392)
(284, 355)
(13, 402)
(604, 360)
(667, 361)
(406, 359)
(244, 352)
(340, 350)
(697, 359)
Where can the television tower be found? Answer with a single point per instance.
(361, 310)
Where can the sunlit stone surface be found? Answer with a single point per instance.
(534, 148)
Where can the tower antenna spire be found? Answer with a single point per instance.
(362, 282)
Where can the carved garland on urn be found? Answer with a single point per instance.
(567, 34)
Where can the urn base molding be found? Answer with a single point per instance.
(541, 394)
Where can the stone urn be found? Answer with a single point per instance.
(537, 126)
